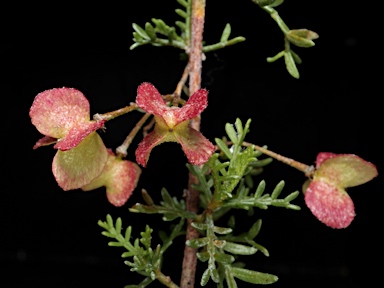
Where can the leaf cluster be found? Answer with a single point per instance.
(234, 167)
(298, 37)
(145, 260)
(225, 182)
(219, 248)
(170, 207)
(158, 33)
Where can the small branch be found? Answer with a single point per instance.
(221, 45)
(121, 151)
(192, 196)
(275, 16)
(111, 115)
(306, 169)
(166, 280)
(180, 85)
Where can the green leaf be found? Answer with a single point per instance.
(244, 130)
(261, 163)
(279, 203)
(255, 229)
(291, 196)
(260, 189)
(181, 25)
(279, 187)
(128, 254)
(239, 126)
(293, 207)
(290, 65)
(137, 37)
(231, 132)
(150, 30)
(231, 282)
(133, 46)
(215, 275)
(140, 31)
(223, 147)
(221, 167)
(230, 177)
(203, 256)
(109, 220)
(222, 230)
(249, 180)
(302, 37)
(183, 3)
(259, 247)
(296, 57)
(169, 216)
(239, 249)
(224, 258)
(161, 27)
(167, 197)
(115, 244)
(253, 277)
(118, 225)
(226, 33)
(102, 224)
(199, 226)
(107, 234)
(197, 243)
(181, 13)
(205, 277)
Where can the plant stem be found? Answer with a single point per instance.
(111, 115)
(306, 169)
(192, 196)
(121, 151)
(166, 280)
(180, 85)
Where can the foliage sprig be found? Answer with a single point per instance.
(170, 207)
(146, 261)
(161, 34)
(298, 37)
(216, 250)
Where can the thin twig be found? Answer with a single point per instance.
(306, 169)
(166, 280)
(180, 85)
(192, 196)
(121, 151)
(111, 115)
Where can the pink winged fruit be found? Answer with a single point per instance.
(325, 194)
(172, 124)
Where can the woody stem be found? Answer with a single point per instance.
(192, 196)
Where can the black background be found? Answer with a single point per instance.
(50, 238)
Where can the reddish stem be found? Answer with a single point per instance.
(192, 196)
